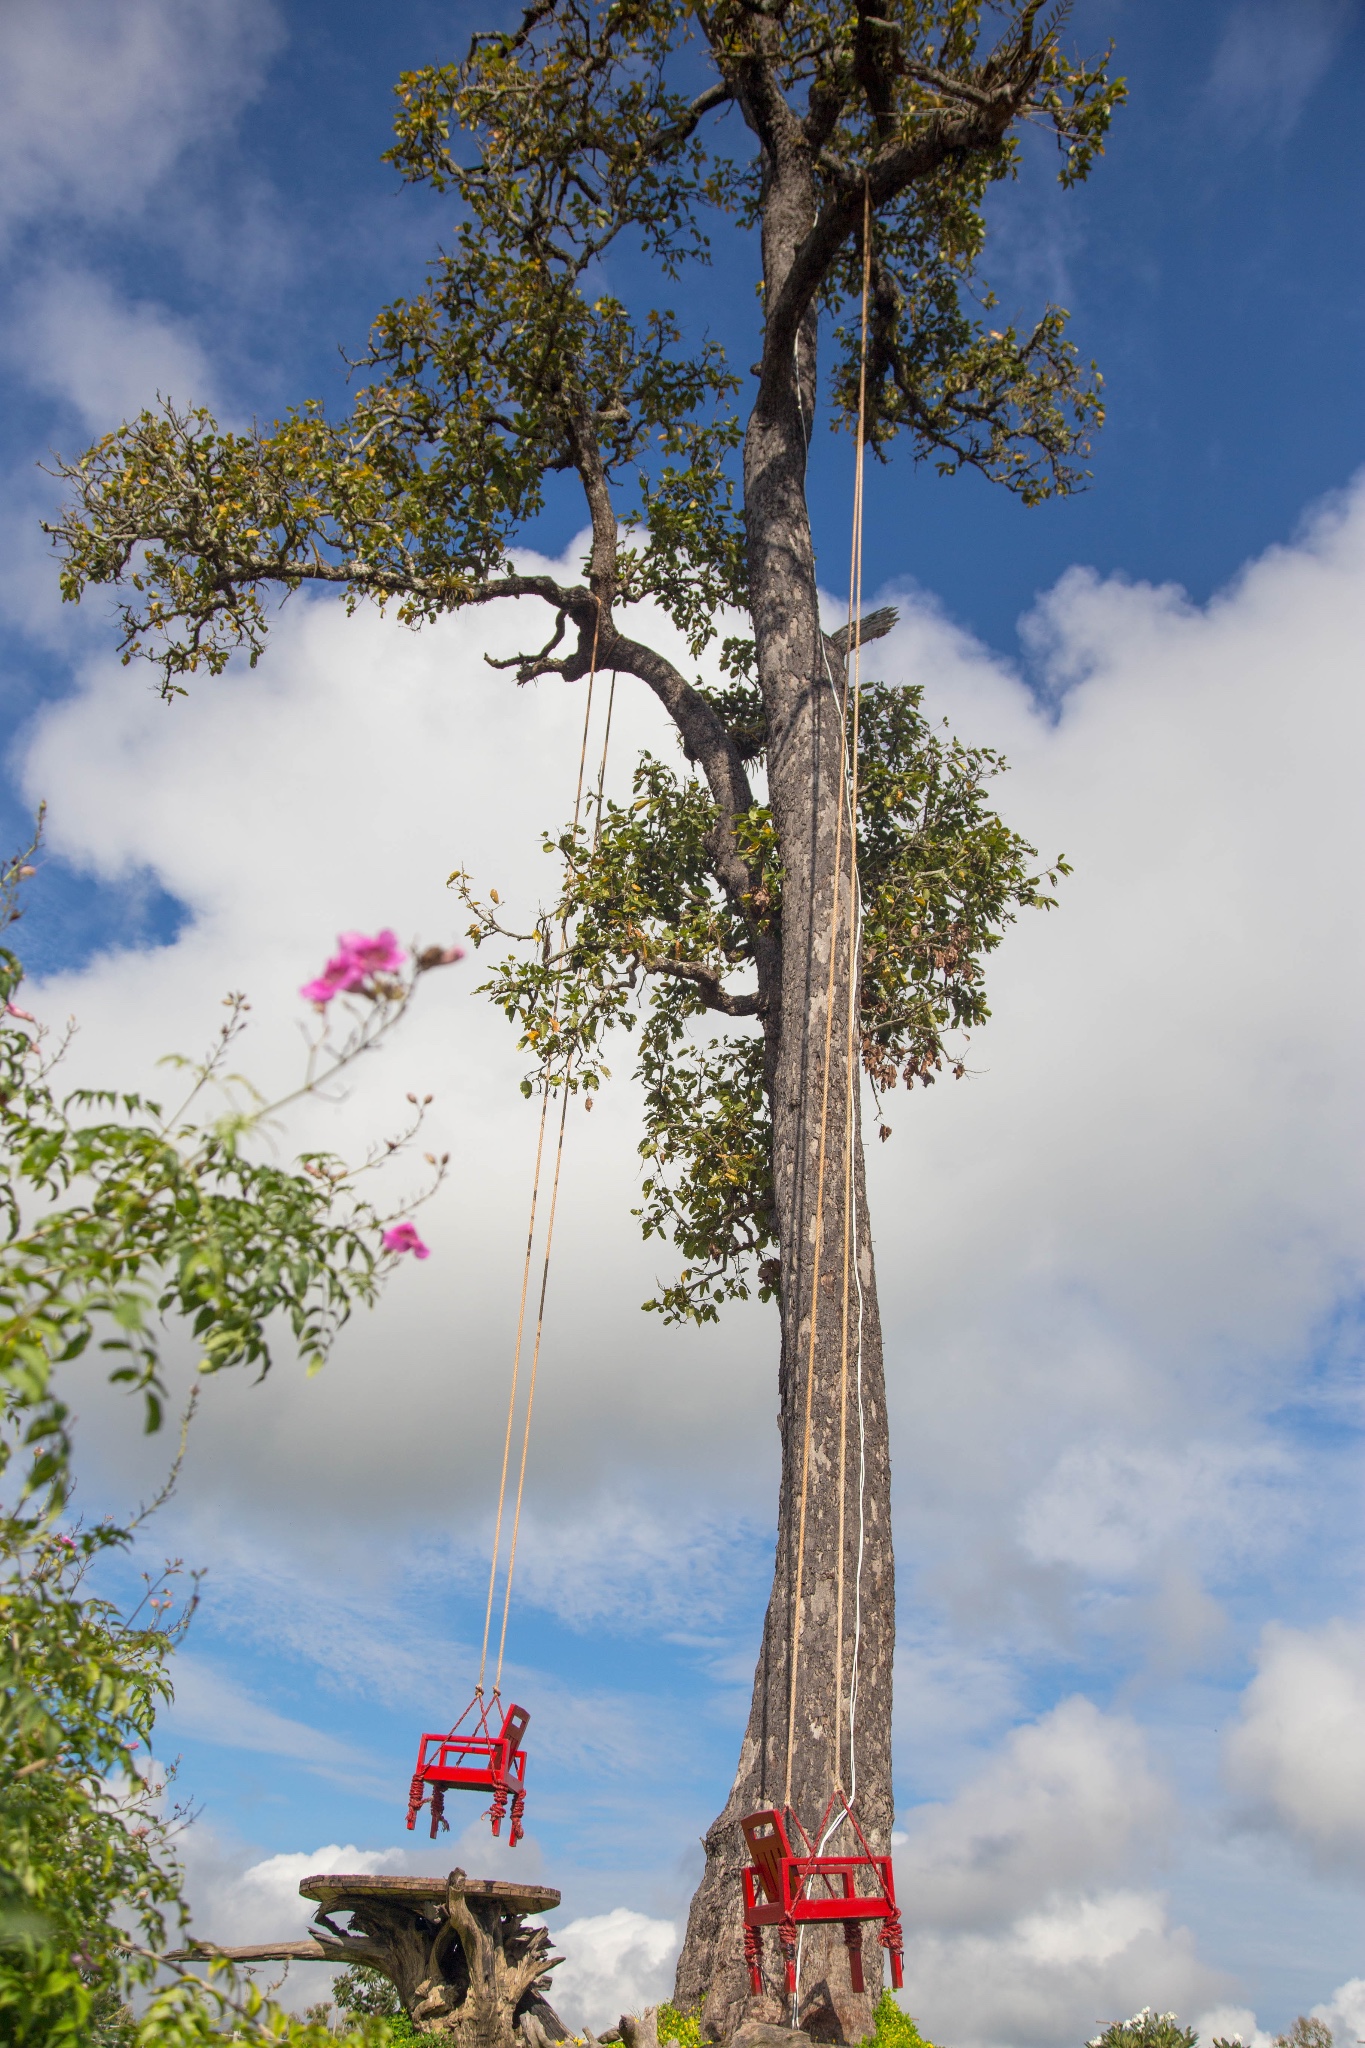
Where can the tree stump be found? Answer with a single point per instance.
(457, 1951)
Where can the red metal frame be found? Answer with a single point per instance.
(776, 1892)
(480, 1761)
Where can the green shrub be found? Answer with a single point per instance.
(892, 2028)
(1146, 2029)
(682, 2027)
(361, 1990)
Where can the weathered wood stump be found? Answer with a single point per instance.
(457, 1951)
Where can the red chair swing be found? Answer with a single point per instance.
(779, 1892)
(479, 1761)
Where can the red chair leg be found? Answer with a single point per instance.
(516, 1831)
(853, 1942)
(786, 1935)
(497, 1812)
(753, 1956)
(890, 1939)
(438, 1811)
(416, 1794)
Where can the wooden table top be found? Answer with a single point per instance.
(333, 1888)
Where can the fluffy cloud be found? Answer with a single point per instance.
(615, 1962)
(1295, 1755)
(1110, 1253)
(262, 1903)
(73, 339)
(1344, 2011)
(1016, 1929)
(1232, 2023)
(1069, 1801)
(138, 73)
(1056, 1975)
(1268, 61)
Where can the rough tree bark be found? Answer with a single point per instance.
(800, 673)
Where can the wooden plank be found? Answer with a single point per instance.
(330, 1888)
(269, 1952)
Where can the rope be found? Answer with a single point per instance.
(855, 590)
(530, 1234)
(855, 611)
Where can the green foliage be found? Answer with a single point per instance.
(118, 1218)
(892, 2028)
(361, 1990)
(682, 2027)
(89, 1887)
(1146, 2029)
(652, 941)
(84, 1831)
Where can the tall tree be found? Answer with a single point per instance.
(596, 133)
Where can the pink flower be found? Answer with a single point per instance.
(380, 955)
(402, 1237)
(13, 1010)
(351, 967)
(340, 974)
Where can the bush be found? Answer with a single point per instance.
(892, 2028)
(362, 1990)
(679, 2026)
(1146, 2029)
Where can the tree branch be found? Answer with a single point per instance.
(748, 1003)
(872, 626)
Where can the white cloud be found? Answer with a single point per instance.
(1055, 1975)
(97, 102)
(1269, 59)
(73, 339)
(1110, 1510)
(1232, 2023)
(1124, 1236)
(615, 1963)
(212, 1707)
(1070, 1800)
(1017, 1930)
(1344, 2012)
(1295, 1755)
(263, 1904)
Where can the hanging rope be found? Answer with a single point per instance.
(851, 1047)
(531, 1228)
(855, 592)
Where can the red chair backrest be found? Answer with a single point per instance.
(768, 1844)
(513, 1727)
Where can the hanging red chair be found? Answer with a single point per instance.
(479, 1761)
(788, 1888)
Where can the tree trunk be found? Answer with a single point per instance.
(798, 673)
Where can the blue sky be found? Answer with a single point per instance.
(1122, 1265)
